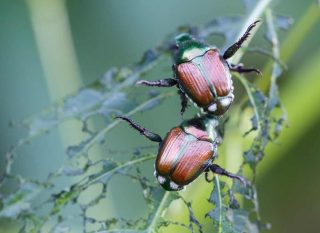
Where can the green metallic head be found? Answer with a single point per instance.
(188, 48)
(184, 37)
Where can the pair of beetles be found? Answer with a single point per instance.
(203, 76)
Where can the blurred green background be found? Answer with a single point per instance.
(51, 48)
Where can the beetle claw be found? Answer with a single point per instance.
(258, 72)
(243, 181)
(220, 171)
(206, 175)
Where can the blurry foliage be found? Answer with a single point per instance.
(113, 94)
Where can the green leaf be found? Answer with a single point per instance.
(20, 201)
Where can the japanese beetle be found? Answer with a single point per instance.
(187, 151)
(202, 74)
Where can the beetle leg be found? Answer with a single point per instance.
(169, 82)
(240, 69)
(234, 48)
(151, 136)
(206, 176)
(220, 171)
(184, 102)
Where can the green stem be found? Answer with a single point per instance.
(294, 86)
(217, 184)
(275, 51)
(255, 14)
(245, 84)
(295, 37)
(157, 215)
(54, 41)
(302, 111)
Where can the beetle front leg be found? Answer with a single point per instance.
(234, 48)
(220, 171)
(169, 82)
(148, 134)
(240, 69)
(184, 102)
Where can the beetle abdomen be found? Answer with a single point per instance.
(205, 78)
(183, 157)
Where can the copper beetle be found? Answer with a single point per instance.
(187, 151)
(202, 74)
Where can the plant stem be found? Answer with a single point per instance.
(157, 215)
(250, 96)
(55, 46)
(302, 111)
(57, 54)
(255, 14)
(217, 184)
(292, 41)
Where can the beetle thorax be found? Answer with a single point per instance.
(188, 50)
(192, 53)
(211, 126)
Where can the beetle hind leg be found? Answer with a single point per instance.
(234, 48)
(169, 82)
(240, 69)
(220, 171)
(148, 134)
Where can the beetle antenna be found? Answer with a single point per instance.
(234, 48)
(151, 136)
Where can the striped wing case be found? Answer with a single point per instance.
(183, 157)
(205, 78)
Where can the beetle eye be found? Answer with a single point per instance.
(174, 46)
